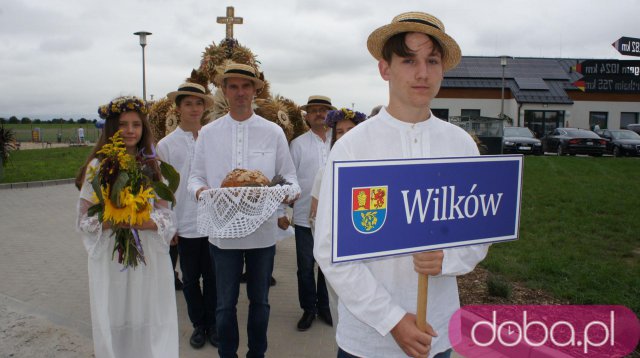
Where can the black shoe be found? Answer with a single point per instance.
(197, 337)
(272, 282)
(178, 284)
(325, 315)
(243, 277)
(305, 322)
(212, 336)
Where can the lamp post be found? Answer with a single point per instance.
(503, 63)
(143, 43)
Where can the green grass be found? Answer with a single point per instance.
(579, 231)
(44, 164)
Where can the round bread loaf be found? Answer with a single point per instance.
(244, 177)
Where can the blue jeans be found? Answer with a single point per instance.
(343, 354)
(228, 267)
(311, 297)
(195, 262)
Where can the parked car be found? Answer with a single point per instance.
(621, 141)
(520, 140)
(574, 141)
(634, 127)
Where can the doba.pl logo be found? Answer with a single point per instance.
(544, 331)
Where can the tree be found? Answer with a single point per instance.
(2, 120)
(82, 120)
(25, 120)
(13, 120)
(37, 121)
(71, 121)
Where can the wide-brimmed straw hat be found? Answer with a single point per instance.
(192, 89)
(239, 70)
(318, 100)
(416, 22)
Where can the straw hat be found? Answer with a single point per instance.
(192, 89)
(240, 71)
(318, 100)
(416, 22)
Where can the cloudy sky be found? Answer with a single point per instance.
(63, 58)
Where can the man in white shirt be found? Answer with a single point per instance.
(241, 139)
(177, 149)
(377, 298)
(309, 153)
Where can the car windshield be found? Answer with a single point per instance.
(625, 135)
(581, 133)
(517, 132)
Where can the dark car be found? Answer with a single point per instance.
(621, 141)
(634, 127)
(520, 140)
(574, 141)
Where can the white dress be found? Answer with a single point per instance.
(133, 312)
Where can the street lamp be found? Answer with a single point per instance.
(143, 43)
(503, 63)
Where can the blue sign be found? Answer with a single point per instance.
(394, 207)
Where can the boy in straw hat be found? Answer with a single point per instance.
(191, 100)
(241, 139)
(309, 153)
(377, 298)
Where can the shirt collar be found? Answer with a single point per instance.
(396, 123)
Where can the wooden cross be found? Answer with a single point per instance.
(229, 21)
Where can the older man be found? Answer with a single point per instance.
(309, 153)
(241, 139)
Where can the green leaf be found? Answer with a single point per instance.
(95, 184)
(118, 185)
(164, 192)
(95, 209)
(172, 176)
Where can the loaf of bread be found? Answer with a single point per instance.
(244, 177)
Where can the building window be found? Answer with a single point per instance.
(627, 118)
(470, 113)
(442, 113)
(543, 122)
(599, 118)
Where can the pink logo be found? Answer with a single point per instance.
(544, 331)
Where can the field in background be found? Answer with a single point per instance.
(49, 132)
(44, 164)
(579, 231)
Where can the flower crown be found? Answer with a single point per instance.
(122, 104)
(335, 116)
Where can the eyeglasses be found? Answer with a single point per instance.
(318, 110)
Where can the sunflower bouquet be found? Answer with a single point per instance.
(124, 191)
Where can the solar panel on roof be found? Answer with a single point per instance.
(531, 83)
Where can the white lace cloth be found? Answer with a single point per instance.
(228, 213)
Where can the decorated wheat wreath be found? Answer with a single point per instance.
(245, 201)
(278, 109)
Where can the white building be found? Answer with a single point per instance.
(539, 93)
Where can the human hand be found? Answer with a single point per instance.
(200, 191)
(174, 240)
(428, 263)
(289, 202)
(147, 225)
(283, 223)
(411, 339)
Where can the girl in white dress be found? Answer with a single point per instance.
(133, 310)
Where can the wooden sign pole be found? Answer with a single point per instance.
(421, 311)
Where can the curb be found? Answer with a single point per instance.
(36, 184)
